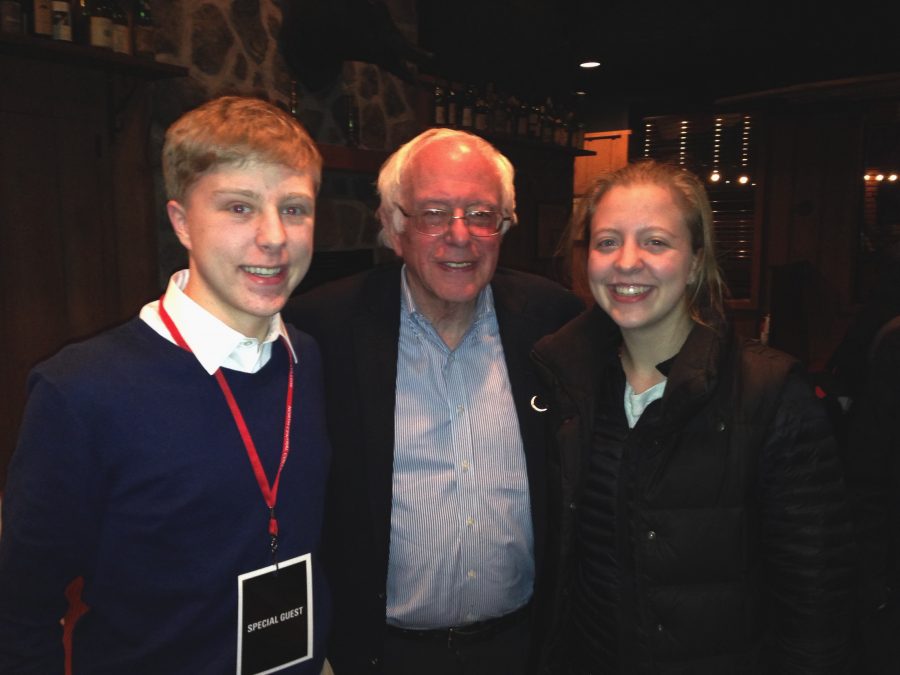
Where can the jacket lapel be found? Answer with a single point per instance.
(375, 336)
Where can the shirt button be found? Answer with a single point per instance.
(470, 521)
(659, 627)
(720, 426)
(465, 465)
(247, 343)
(460, 409)
(472, 574)
(651, 535)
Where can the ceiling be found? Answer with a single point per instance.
(654, 53)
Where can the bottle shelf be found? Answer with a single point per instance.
(59, 51)
(531, 143)
(501, 140)
(363, 160)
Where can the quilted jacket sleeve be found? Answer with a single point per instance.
(806, 533)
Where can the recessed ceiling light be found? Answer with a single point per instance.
(590, 64)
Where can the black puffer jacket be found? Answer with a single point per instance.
(741, 542)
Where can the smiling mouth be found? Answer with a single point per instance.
(457, 265)
(262, 271)
(630, 290)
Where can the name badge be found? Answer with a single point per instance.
(275, 626)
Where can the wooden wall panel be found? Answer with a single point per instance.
(32, 279)
(811, 202)
(544, 176)
(77, 231)
(134, 208)
(778, 186)
(612, 153)
(841, 206)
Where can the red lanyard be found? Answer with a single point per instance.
(270, 494)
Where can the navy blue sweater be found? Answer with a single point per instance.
(130, 472)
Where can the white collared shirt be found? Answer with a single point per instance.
(213, 343)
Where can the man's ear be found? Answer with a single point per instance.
(388, 234)
(178, 218)
(393, 240)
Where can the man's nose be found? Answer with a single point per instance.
(270, 230)
(457, 230)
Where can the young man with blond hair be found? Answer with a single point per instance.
(176, 463)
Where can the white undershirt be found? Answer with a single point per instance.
(635, 404)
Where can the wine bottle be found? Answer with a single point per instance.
(547, 122)
(62, 20)
(81, 29)
(11, 17)
(143, 30)
(99, 23)
(523, 116)
(121, 28)
(452, 106)
(577, 140)
(439, 103)
(41, 18)
(481, 113)
(534, 121)
(353, 121)
(467, 115)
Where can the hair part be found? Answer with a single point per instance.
(234, 131)
(705, 295)
(393, 177)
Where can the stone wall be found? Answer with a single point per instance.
(230, 47)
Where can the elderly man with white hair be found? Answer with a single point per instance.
(434, 515)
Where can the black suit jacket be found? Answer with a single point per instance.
(357, 324)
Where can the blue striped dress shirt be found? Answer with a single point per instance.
(461, 545)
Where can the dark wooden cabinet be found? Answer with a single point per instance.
(78, 248)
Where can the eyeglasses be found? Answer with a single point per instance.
(435, 222)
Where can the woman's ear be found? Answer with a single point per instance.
(696, 262)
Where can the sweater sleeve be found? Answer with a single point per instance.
(47, 532)
(806, 536)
